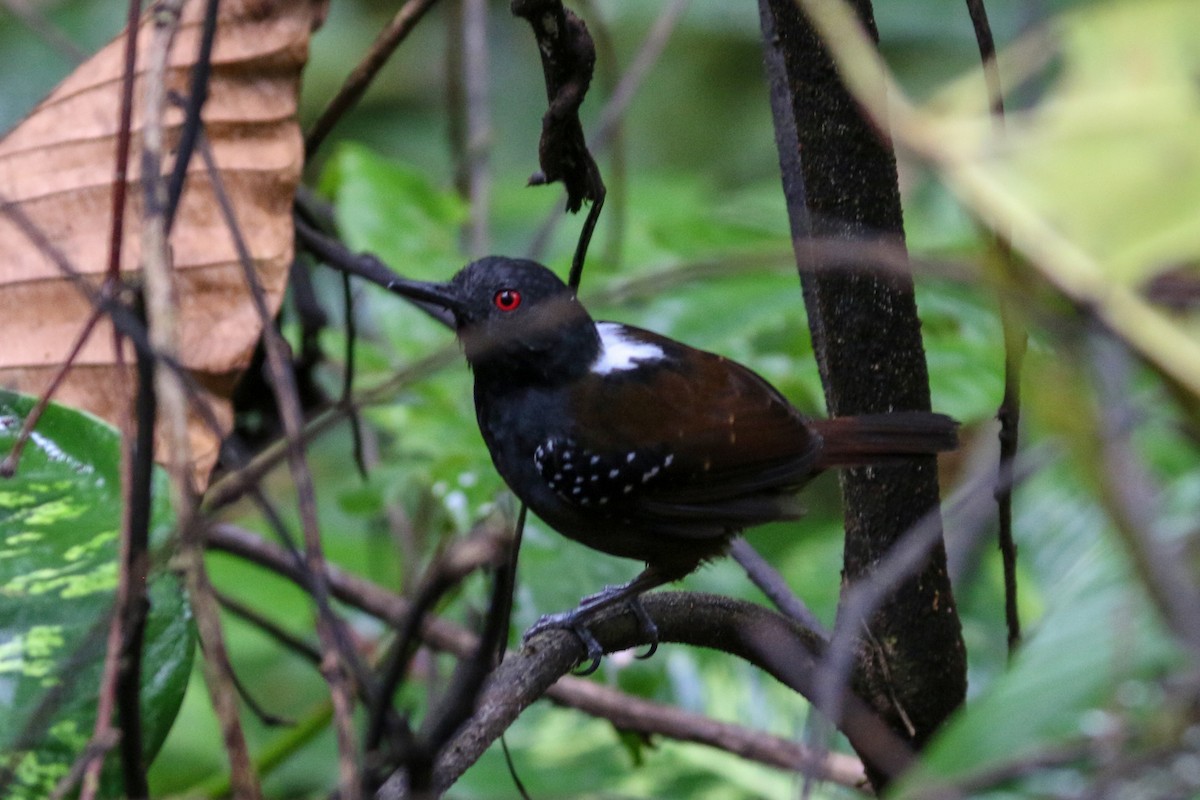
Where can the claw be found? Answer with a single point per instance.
(646, 625)
(626, 594)
(594, 651)
(576, 622)
(571, 621)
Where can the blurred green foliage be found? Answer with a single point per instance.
(703, 254)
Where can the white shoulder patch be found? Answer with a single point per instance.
(620, 352)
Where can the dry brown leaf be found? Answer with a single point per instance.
(57, 165)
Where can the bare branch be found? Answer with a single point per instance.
(364, 73)
(639, 715)
(338, 656)
(161, 301)
(1133, 501)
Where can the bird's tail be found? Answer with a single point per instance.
(875, 438)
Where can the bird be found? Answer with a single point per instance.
(635, 444)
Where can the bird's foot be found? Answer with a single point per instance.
(577, 621)
(645, 625)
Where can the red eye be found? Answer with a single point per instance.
(507, 299)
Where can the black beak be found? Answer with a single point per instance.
(436, 299)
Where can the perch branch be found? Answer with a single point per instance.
(639, 715)
(768, 640)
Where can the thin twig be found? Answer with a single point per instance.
(164, 333)
(447, 572)
(32, 18)
(771, 583)
(8, 466)
(197, 95)
(95, 750)
(111, 680)
(459, 702)
(1009, 414)
(1015, 343)
(478, 123)
(617, 193)
(986, 43)
(120, 175)
(650, 50)
(632, 713)
(236, 483)
(1133, 499)
(283, 636)
(132, 600)
(585, 238)
(337, 650)
(364, 73)
(356, 432)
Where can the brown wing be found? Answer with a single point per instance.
(710, 441)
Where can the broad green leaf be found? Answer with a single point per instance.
(59, 523)
(394, 211)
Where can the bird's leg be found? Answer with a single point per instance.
(577, 619)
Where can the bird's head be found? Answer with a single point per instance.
(513, 315)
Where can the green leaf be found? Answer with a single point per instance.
(393, 210)
(1099, 644)
(59, 523)
(1111, 156)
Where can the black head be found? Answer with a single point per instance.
(513, 315)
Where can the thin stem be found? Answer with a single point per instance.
(337, 649)
(161, 306)
(111, 683)
(197, 94)
(364, 73)
(478, 123)
(1015, 343)
(132, 601)
(32, 18)
(8, 467)
(772, 584)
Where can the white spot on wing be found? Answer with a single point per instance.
(619, 351)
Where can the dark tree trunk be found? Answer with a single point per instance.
(839, 178)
